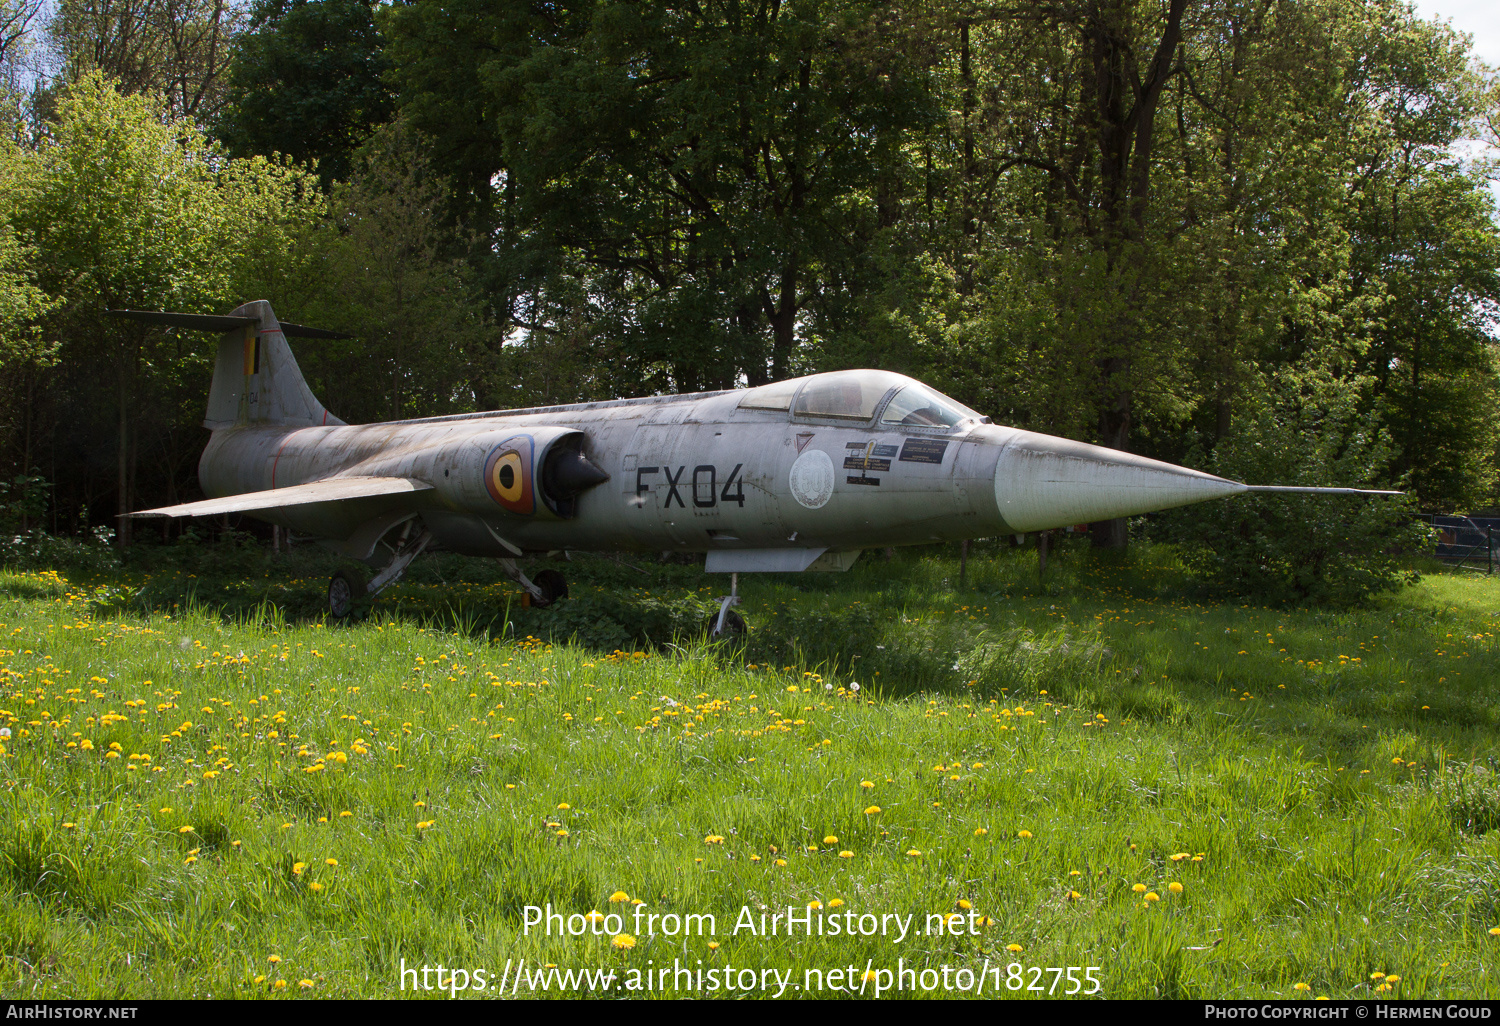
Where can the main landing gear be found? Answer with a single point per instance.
(543, 590)
(348, 590)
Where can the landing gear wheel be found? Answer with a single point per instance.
(734, 627)
(552, 586)
(345, 590)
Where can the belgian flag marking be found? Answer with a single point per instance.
(507, 475)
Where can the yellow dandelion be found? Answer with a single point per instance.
(830, 840)
(184, 829)
(914, 853)
(1301, 986)
(815, 904)
(1139, 888)
(1393, 978)
(345, 814)
(781, 862)
(873, 810)
(980, 831)
(315, 887)
(846, 854)
(618, 897)
(867, 784)
(1014, 949)
(305, 984)
(274, 959)
(835, 902)
(1175, 887)
(1495, 931)
(279, 985)
(1152, 896)
(713, 945)
(565, 806)
(714, 839)
(330, 862)
(1024, 835)
(298, 867)
(623, 941)
(965, 904)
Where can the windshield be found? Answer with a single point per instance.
(847, 395)
(916, 405)
(775, 396)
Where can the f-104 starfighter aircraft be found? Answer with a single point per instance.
(791, 476)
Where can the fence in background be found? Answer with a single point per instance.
(1468, 543)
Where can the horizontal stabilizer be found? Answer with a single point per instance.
(219, 323)
(331, 490)
(1320, 491)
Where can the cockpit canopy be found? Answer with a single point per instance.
(861, 395)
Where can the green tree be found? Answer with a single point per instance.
(1087, 270)
(306, 82)
(175, 50)
(707, 169)
(1425, 255)
(391, 272)
(125, 209)
(1303, 429)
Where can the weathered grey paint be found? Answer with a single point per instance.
(759, 489)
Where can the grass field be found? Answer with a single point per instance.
(231, 798)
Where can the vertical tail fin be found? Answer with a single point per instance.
(256, 378)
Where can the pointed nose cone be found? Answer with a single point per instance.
(1043, 482)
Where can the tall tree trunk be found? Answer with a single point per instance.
(122, 457)
(783, 318)
(1125, 115)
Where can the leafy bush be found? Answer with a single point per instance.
(1333, 549)
(37, 550)
(23, 501)
(607, 622)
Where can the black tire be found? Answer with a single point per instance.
(552, 586)
(734, 627)
(346, 590)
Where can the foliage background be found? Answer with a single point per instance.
(1134, 223)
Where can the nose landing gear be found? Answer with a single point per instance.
(727, 624)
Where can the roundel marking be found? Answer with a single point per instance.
(812, 479)
(507, 475)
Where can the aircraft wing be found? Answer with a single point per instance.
(331, 490)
